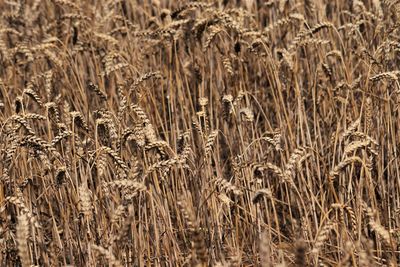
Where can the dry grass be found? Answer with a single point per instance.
(217, 133)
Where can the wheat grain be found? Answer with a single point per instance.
(108, 254)
(198, 239)
(85, 205)
(22, 239)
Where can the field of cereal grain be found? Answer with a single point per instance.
(188, 133)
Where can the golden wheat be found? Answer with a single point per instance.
(199, 133)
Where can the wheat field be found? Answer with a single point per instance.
(188, 133)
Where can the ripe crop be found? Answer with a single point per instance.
(188, 133)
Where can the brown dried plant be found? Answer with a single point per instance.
(209, 133)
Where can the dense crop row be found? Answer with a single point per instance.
(220, 133)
